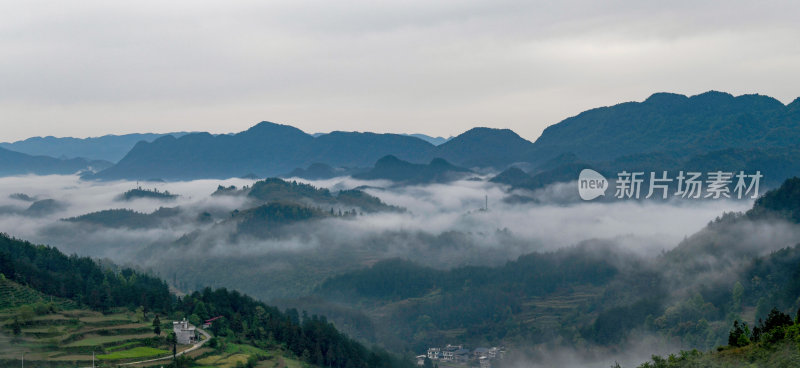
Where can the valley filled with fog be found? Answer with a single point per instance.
(193, 235)
(443, 226)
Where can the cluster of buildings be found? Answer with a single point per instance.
(458, 354)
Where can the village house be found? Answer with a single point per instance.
(185, 333)
(458, 354)
(434, 353)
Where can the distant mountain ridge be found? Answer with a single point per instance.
(108, 147)
(16, 163)
(662, 132)
(266, 149)
(432, 140)
(668, 122)
(396, 170)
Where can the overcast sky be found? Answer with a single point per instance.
(90, 68)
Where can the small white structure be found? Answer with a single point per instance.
(185, 333)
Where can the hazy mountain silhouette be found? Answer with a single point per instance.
(663, 132)
(266, 149)
(666, 122)
(16, 163)
(108, 147)
(397, 170)
(484, 147)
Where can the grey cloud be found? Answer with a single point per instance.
(91, 68)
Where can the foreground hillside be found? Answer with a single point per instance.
(774, 342)
(58, 308)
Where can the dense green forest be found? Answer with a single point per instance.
(312, 338)
(594, 293)
(117, 218)
(773, 342)
(279, 190)
(147, 193)
(483, 303)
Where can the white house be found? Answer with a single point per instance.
(185, 333)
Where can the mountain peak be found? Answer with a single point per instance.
(485, 147)
(666, 98)
(389, 160)
(712, 97)
(270, 127)
(481, 132)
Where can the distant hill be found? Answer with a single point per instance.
(666, 131)
(266, 149)
(125, 218)
(274, 190)
(485, 147)
(146, 193)
(44, 207)
(432, 140)
(397, 170)
(278, 190)
(318, 171)
(37, 208)
(107, 148)
(783, 202)
(681, 125)
(512, 176)
(16, 163)
(267, 220)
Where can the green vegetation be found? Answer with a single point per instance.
(16, 295)
(52, 335)
(774, 342)
(243, 320)
(278, 190)
(125, 218)
(397, 170)
(783, 202)
(80, 279)
(423, 306)
(274, 189)
(137, 352)
(147, 193)
(593, 294)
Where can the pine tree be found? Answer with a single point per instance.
(16, 327)
(157, 326)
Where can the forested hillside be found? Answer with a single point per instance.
(311, 338)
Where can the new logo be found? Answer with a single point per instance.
(591, 184)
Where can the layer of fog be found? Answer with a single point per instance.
(638, 349)
(444, 226)
(436, 213)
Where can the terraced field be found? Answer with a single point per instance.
(15, 295)
(235, 354)
(72, 335)
(56, 333)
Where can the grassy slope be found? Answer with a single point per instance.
(14, 295)
(784, 353)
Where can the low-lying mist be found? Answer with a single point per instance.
(444, 226)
